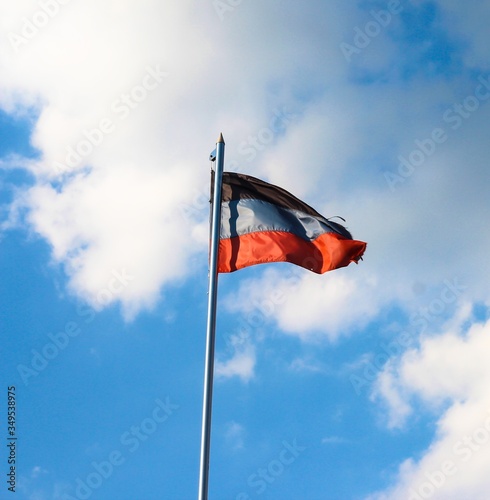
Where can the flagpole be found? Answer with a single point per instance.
(211, 322)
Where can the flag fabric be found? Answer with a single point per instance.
(263, 223)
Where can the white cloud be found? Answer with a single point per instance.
(449, 373)
(235, 435)
(122, 149)
(106, 226)
(29, 485)
(37, 471)
(307, 305)
(242, 362)
(334, 440)
(306, 364)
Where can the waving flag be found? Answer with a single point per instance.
(263, 223)
(253, 222)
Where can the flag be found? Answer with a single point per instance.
(263, 223)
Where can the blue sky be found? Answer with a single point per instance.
(366, 383)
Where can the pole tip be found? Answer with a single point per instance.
(220, 139)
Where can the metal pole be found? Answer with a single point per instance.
(211, 324)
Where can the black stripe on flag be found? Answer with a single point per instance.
(238, 187)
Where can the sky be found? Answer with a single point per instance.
(366, 383)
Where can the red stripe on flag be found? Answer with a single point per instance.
(327, 252)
